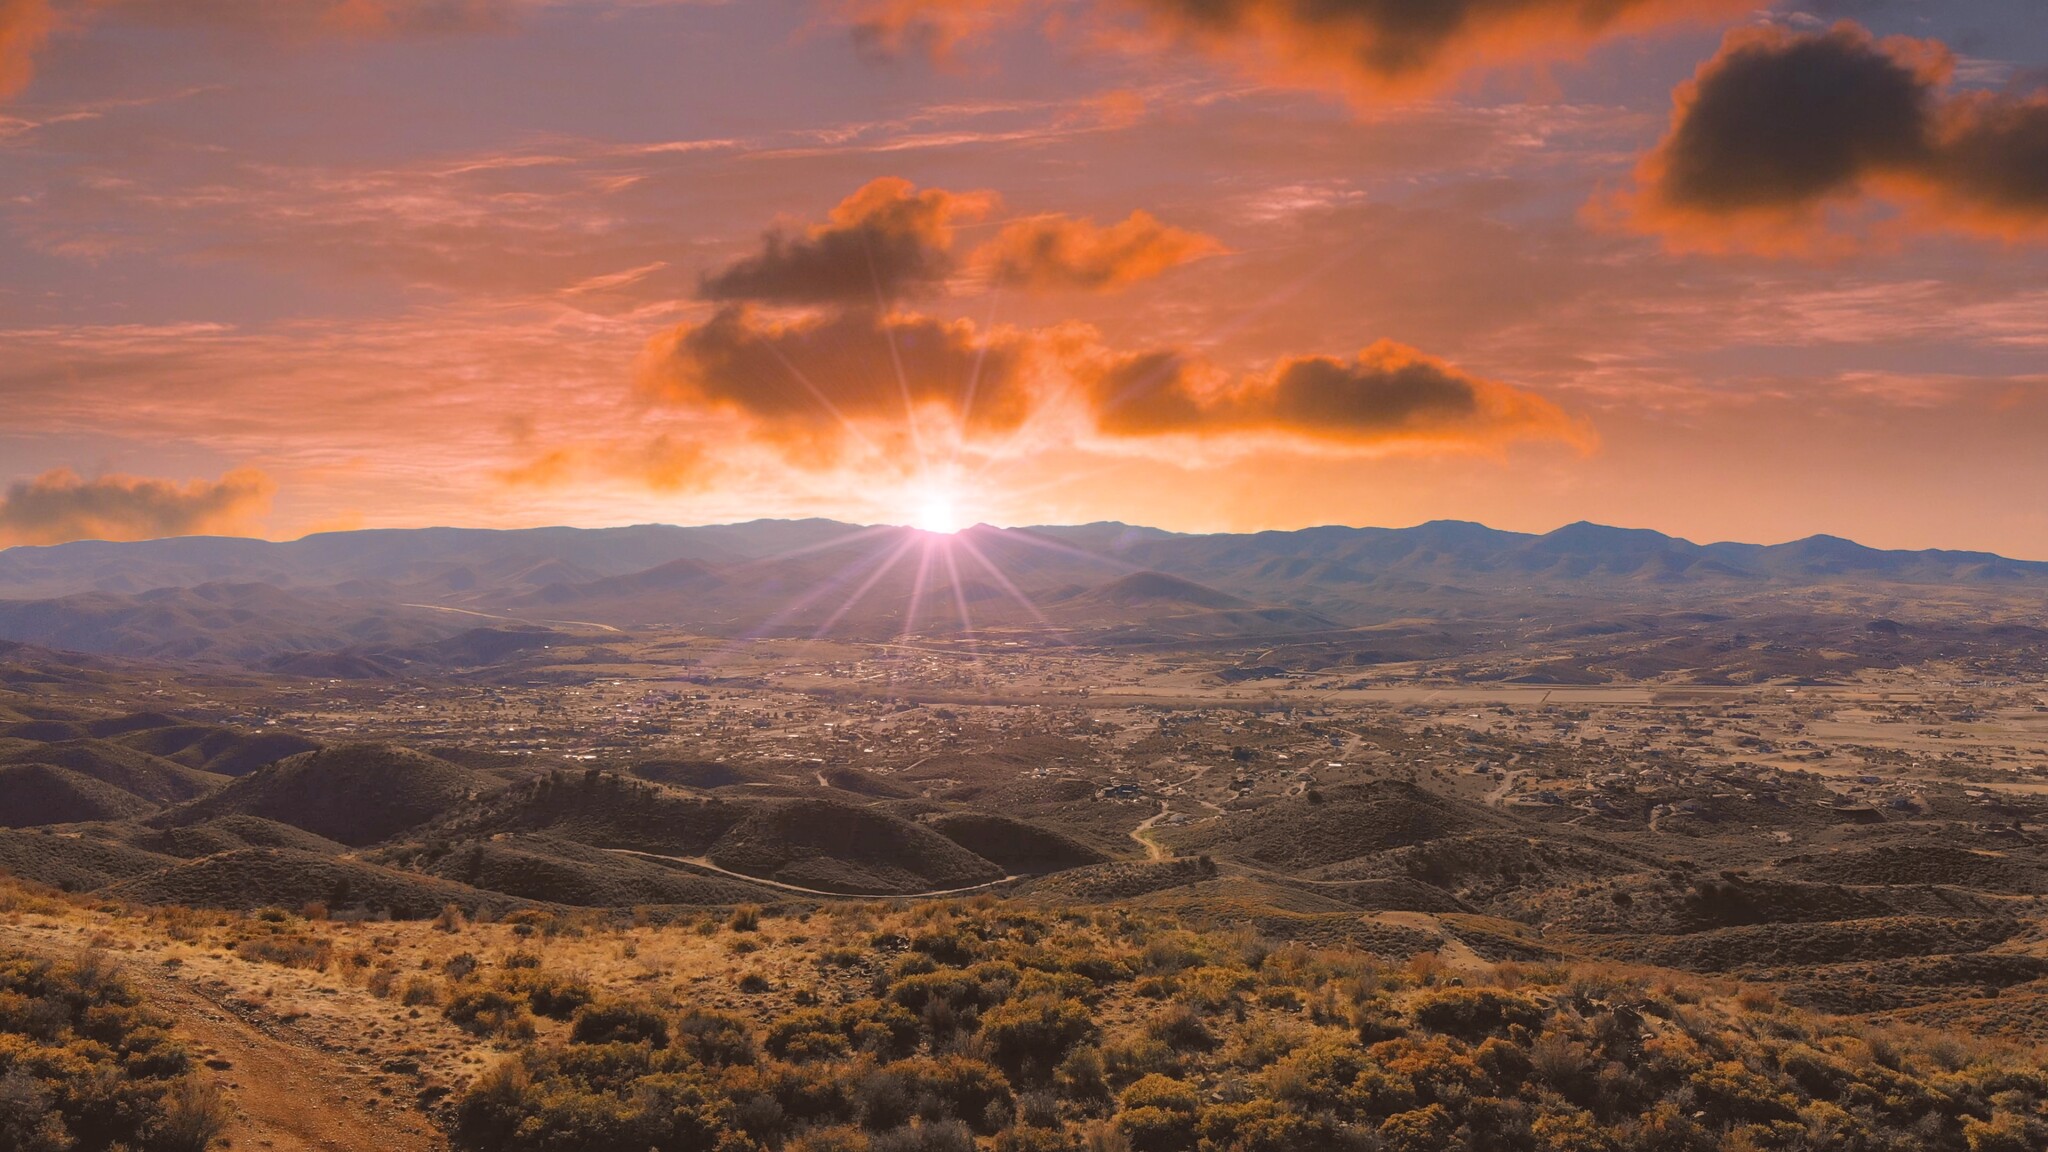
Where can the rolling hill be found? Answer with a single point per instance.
(354, 794)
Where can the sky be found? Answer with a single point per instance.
(1728, 271)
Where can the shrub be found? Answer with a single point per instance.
(837, 1138)
(1034, 1035)
(85, 1064)
(619, 1022)
(194, 1116)
(1156, 1091)
(420, 991)
(945, 1136)
(1422, 1130)
(808, 1034)
(1180, 1027)
(962, 1088)
(292, 951)
(715, 1038)
(1081, 1076)
(550, 994)
(1473, 1013)
(531, 1104)
(1157, 1129)
(485, 1011)
(1036, 1140)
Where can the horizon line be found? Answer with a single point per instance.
(985, 526)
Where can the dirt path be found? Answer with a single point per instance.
(510, 619)
(1153, 849)
(1454, 952)
(707, 865)
(289, 1093)
(1495, 798)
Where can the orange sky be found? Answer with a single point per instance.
(275, 266)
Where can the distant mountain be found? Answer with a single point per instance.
(393, 602)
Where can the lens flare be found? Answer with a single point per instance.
(936, 510)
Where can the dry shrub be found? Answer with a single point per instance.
(292, 951)
(195, 1115)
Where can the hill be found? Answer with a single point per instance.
(73, 862)
(828, 845)
(355, 794)
(45, 794)
(1325, 828)
(209, 748)
(1159, 590)
(1014, 845)
(557, 871)
(227, 834)
(839, 847)
(251, 878)
(153, 778)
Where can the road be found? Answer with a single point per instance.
(1153, 850)
(1500, 794)
(708, 866)
(511, 619)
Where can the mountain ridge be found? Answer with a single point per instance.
(381, 601)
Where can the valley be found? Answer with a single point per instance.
(517, 835)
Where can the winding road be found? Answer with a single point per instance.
(708, 866)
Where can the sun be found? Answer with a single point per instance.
(935, 510)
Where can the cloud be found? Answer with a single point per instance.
(1388, 394)
(812, 378)
(889, 241)
(1993, 162)
(1794, 142)
(1364, 47)
(931, 28)
(813, 384)
(60, 505)
(1054, 253)
(24, 25)
(884, 242)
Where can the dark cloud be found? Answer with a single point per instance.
(60, 505)
(1778, 119)
(809, 382)
(1399, 43)
(1352, 44)
(1786, 140)
(1387, 394)
(1055, 253)
(808, 377)
(1993, 162)
(882, 243)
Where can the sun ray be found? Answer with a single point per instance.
(1014, 592)
(873, 579)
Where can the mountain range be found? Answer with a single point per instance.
(445, 597)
